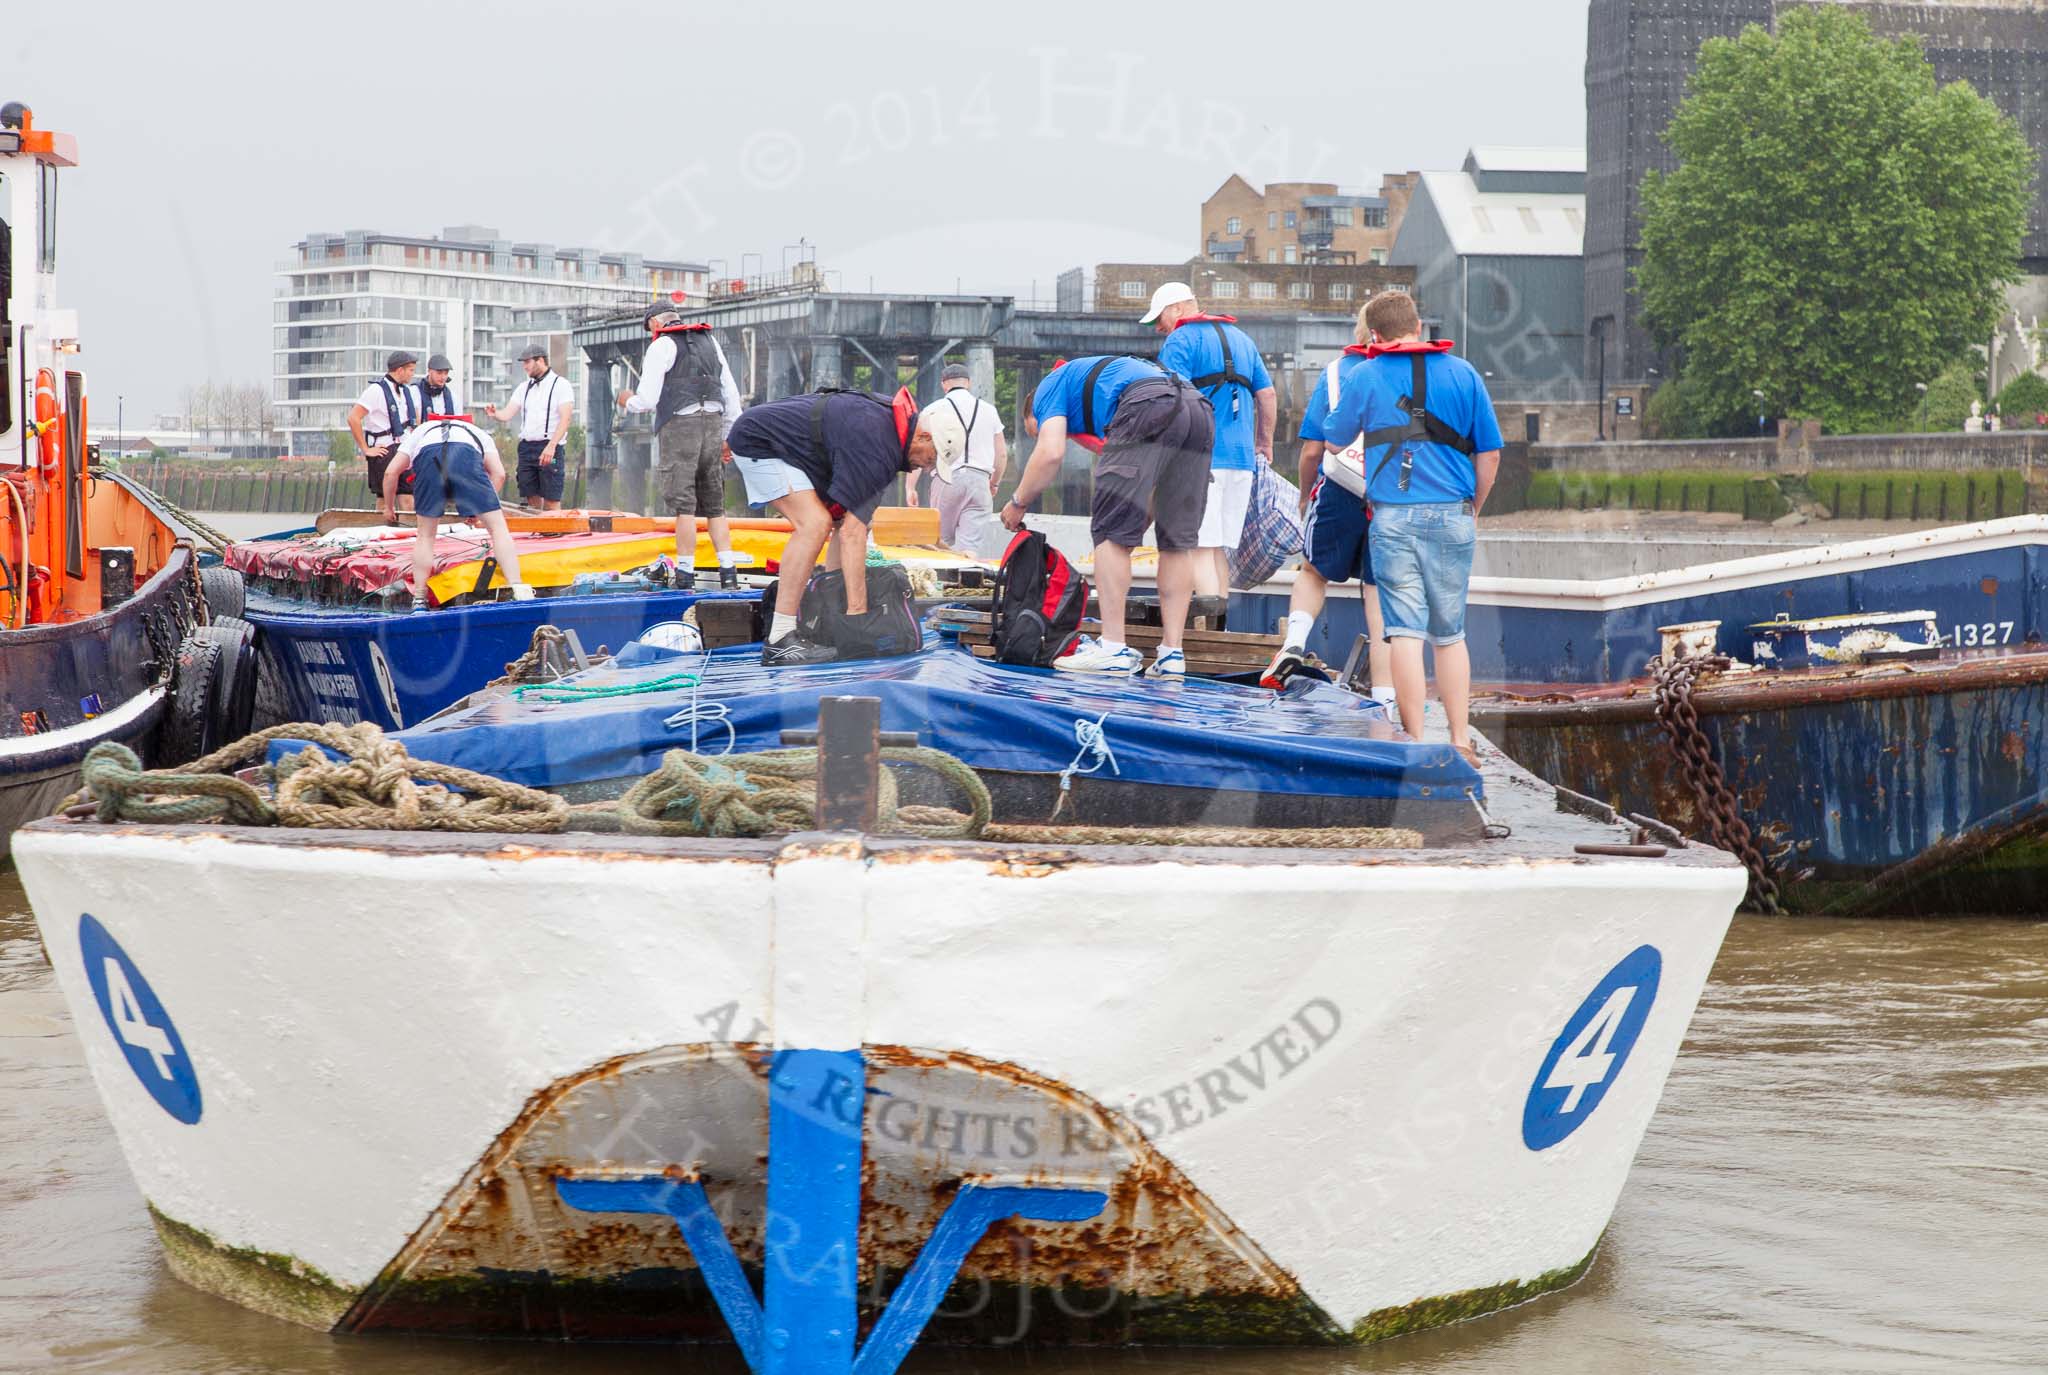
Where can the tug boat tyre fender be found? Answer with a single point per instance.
(223, 589)
(191, 726)
(233, 703)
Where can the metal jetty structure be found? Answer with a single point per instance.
(798, 336)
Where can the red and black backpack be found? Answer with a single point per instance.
(1040, 598)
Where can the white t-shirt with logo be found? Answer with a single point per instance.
(987, 423)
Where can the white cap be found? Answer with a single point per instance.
(1172, 294)
(949, 436)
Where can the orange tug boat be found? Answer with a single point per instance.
(105, 631)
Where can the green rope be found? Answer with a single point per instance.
(576, 692)
(115, 779)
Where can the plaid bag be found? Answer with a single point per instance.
(1272, 529)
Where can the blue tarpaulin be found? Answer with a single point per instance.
(1316, 740)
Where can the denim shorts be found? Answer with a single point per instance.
(1422, 565)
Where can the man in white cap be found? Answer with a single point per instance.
(686, 382)
(387, 409)
(965, 496)
(1224, 364)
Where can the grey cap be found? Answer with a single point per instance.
(398, 359)
(955, 372)
(533, 351)
(660, 308)
(439, 362)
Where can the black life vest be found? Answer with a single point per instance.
(429, 405)
(694, 378)
(1228, 376)
(413, 410)
(1421, 424)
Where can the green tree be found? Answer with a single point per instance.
(1947, 404)
(1838, 228)
(2025, 397)
(341, 447)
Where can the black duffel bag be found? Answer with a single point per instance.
(888, 630)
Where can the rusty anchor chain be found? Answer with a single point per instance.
(1702, 772)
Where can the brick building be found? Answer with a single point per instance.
(1294, 222)
(1250, 288)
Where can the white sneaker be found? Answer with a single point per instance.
(1169, 663)
(1090, 656)
(521, 592)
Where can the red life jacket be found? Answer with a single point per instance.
(1375, 349)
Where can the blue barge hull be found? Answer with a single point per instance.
(1908, 788)
(1987, 585)
(395, 670)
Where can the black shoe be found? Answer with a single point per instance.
(792, 650)
(728, 578)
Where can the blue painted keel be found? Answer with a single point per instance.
(807, 1321)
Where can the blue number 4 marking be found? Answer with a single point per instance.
(807, 1324)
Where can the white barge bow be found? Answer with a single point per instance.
(828, 1094)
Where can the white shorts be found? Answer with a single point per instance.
(770, 479)
(1230, 496)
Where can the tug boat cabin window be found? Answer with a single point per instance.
(46, 240)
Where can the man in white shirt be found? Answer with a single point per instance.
(387, 409)
(544, 404)
(685, 381)
(437, 393)
(965, 498)
(452, 461)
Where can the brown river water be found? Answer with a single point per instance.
(1849, 1172)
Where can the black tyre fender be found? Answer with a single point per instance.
(184, 734)
(233, 703)
(223, 590)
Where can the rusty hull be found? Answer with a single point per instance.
(1909, 788)
(502, 1256)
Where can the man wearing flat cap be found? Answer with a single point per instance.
(437, 393)
(388, 408)
(543, 403)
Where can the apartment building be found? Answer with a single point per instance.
(345, 301)
(1293, 222)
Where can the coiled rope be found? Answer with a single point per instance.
(376, 784)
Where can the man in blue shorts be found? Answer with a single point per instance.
(1155, 432)
(1426, 477)
(824, 461)
(1334, 541)
(451, 460)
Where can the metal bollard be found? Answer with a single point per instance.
(849, 762)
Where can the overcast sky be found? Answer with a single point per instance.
(993, 147)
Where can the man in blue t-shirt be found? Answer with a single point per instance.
(1154, 433)
(1426, 480)
(1335, 540)
(823, 461)
(1224, 364)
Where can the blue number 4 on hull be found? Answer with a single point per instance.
(807, 1324)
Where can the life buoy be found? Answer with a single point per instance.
(49, 434)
